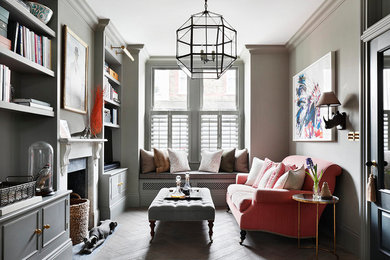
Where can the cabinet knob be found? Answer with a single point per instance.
(38, 231)
(47, 226)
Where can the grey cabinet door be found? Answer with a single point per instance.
(53, 221)
(20, 240)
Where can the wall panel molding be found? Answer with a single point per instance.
(320, 15)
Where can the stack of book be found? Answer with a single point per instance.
(4, 16)
(33, 103)
(5, 83)
(30, 45)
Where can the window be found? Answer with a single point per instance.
(170, 89)
(193, 115)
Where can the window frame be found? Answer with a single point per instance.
(194, 105)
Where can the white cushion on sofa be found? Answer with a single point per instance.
(233, 188)
(291, 180)
(242, 200)
(257, 164)
(210, 161)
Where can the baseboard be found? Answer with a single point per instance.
(348, 239)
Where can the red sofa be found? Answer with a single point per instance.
(274, 210)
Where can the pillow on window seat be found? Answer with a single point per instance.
(227, 160)
(161, 160)
(210, 161)
(178, 161)
(241, 162)
(147, 161)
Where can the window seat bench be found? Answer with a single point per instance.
(151, 183)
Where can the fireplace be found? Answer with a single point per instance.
(78, 177)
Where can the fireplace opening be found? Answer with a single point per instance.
(78, 177)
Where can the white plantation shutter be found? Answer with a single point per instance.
(209, 132)
(180, 133)
(159, 131)
(229, 131)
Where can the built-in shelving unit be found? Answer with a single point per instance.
(18, 63)
(112, 102)
(25, 109)
(111, 56)
(111, 79)
(26, 18)
(111, 125)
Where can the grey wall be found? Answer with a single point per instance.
(70, 17)
(340, 32)
(269, 133)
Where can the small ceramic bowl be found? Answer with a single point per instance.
(41, 11)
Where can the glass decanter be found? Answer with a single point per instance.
(177, 193)
(187, 186)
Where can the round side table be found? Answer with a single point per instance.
(308, 198)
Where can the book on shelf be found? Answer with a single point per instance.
(5, 83)
(4, 42)
(115, 116)
(30, 104)
(30, 45)
(30, 100)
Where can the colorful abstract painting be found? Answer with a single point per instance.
(308, 121)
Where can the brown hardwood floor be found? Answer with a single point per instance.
(189, 240)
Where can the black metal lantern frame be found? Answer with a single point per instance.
(206, 45)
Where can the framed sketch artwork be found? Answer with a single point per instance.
(75, 96)
(308, 120)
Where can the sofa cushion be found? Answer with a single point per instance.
(291, 180)
(147, 161)
(178, 161)
(257, 165)
(274, 170)
(161, 160)
(266, 165)
(277, 174)
(233, 188)
(242, 200)
(227, 160)
(241, 161)
(210, 161)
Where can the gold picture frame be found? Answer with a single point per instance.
(75, 73)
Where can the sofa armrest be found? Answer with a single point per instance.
(276, 195)
(241, 178)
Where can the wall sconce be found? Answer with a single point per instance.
(338, 119)
(124, 50)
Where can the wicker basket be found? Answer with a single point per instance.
(79, 211)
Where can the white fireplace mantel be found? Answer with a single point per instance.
(74, 148)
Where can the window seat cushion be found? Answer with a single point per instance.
(193, 175)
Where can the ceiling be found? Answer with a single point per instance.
(154, 22)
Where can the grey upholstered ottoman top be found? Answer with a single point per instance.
(182, 210)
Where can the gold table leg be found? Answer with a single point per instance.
(317, 232)
(299, 224)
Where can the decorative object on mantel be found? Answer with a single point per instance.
(206, 45)
(40, 11)
(96, 120)
(308, 85)
(325, 192)
(329, 99)
(85, 134)
(79, 213)
(75, 95)
(40, 167)
(98, 235)
(312, 172)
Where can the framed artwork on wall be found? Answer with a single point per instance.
(308, 120)
(75, 75)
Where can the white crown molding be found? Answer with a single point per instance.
(377, 29)
(262, 49)
(320, 15)
(91, 18)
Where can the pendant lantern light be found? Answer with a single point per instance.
(206, 45)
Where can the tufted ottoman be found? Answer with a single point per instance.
(182, 210)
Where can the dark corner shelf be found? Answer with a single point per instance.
(25, 109)
(110, 57)
(23, 16)
(19, 63)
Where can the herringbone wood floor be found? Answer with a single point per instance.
(189, 240)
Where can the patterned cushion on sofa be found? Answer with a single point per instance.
(242, 200)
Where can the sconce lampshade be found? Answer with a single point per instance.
(328, 99)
